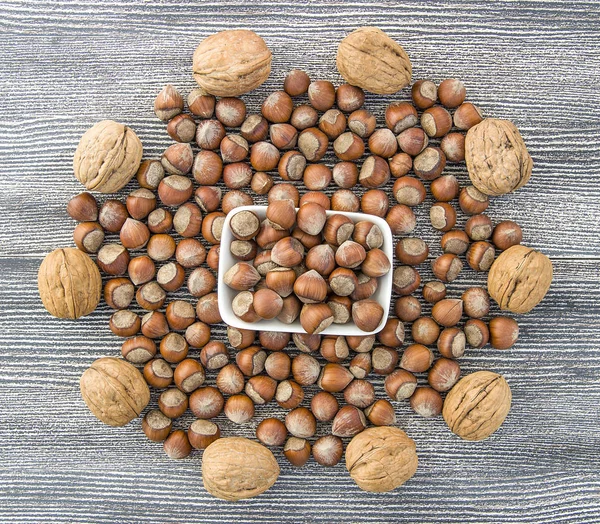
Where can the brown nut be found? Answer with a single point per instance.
(453, 146)
(83, 208)
(156, 426)
(467, 115)
(368, 50)
(411, 251)
(412, 141)
(442, 216)
(392, 334)
(447, 312)
(443, 374)
(409, 191)
(477, 405)
(400, 384)
(321, 95)
(427, 402)
(445, 188)
(362, 122)
(416, 358)
(301, 423)
(425, 331)
(324, 406)
(375, 172)
(436, 121)
(447, 267)
(297, 451)
(400, 164)
(401, 219)
(296, 82)
(206, 402)
(230, 380)
(230, 111)
(239, 408)
(227, 478)
(124, 323)
(381, 413)
(434, 291)
(451, 342)
(328, 450)
(367, 234)
(202, 433)
(334, 377)
(405, 280)
(424, 93)
(271, 432)
(455, 242)
(189, 375)
(158, 373)
(381, 459)
(168, 103)
(480, 256)
(201, 103)
(332, 123)
(400, 116)
(261, 389)
(407, 308)
(112, 215)
(154, 324)
(113, 259)
(312, 143)
(118, 293)
(359, 393)
(114, 391)
(349, 98)
(504, 332)
(348, 421)
(507, 234)
(477, 333)
(174, 348)
(451, 92)
(314, 318)
(519, 279)
(289, 394)
(367, 314)
(373, 202)
(177, 445)
(384, 360)
(430, 163)
(497, 158)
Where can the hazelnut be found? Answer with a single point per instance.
(507, 234)
(334, 349)
(472, 201)
(278, 365)
(451, 92)
(161, 247)
(230, 380)
(291, 166)
(314, 318)
(374, 202)
(346, 200)
(476, 302)
(174, 348)
(138, 350)
(400, 384)
(234, 148)
(212, 257)
(305, 369)
(303, 117)
(209, 134)
(445, 188)
(301, 423)
(447, 312)
(173, 403)
(446, 267)
(202, 433)
(442, 216)
(430, 163)
(189, 375)
(362, 122)
(271, 432)
(425, 331)
(381, 413)
(201, 103)
(392, 333)
(243, 250)
(180, 314)
(367, 314)
(160, 221)
(349, 98)
(477, 333)
(156, 426)
(274, 340)
(243, 307)
(118, 293)
(424, 93)
(361, 343)
(434, 291)
(230, 111)
(251, 360)
(281, 280)
(207, 168)
(367, 234)
(261, 183)
(504, 332)
(427, 402)
(174, 190)
(316, 197)
(332, 123)
(360, 365)
(206, 402)
(412, 141)
(267, 303)
(239, 409)
(261, 389)
(237, 175)
(240, 338)
(171, 276)
(317, 177)
(343, 281)
(124, 323)
(467, 115)
(296, 82)
(436, 121)
(365, 287)
(177, 445)
(349, 146)
(350, 254)
(112, 215)
(168, 103)
(154, 324)
(479, 227)
(341, 308)
(182, 128)
(451, 343)
(264, 156)
(268, 236)
(334, 377)
(281, 214)
(207, 309)
(83, 208)
(312, 143)
(411, 251)
(140, 203)
(384, 360)
(321, 95)
(134, 234)
(375, 172)
(455, 242)
(416, 358)
(277, 107)
(453, 146)
(289, 394)
(400, 116)
(328, 450)
(306, 343)
(297, 451)
(177, 159)
(324, 406)
(443, 374)
(321, 258)
(311, 218)
(150, 173)
(383, 143)
(376, 263)
(480, 256)
(88, 236)
(348, 421)
(359, 393)
(401, 219)
(198, 334)
(407, 308)
(400, 164)
(287, 252)
(310, 287)
(212, 227)
(283, 136)
(338, 229)
(113, 259)
(409, 191)
(405, 280)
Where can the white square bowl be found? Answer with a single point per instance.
(226, 294)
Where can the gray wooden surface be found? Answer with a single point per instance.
(65, 65)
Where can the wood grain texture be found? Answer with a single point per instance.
(66, 65)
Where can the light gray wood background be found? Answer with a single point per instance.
(65, 65)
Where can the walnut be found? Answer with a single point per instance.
(381, 459)
(114, 391)
(519, 279)
(497, 158)
(237, 468)
(370, 59)
(477, 405)
(69, 283)
(107, 156)
(231, 63)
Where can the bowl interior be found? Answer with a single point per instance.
(226, 294)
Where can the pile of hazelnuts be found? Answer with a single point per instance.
(165, 239)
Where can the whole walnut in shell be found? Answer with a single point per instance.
(69, 283)
(114, 390)
(237, 468)
(370, 59)
(381, 459)
(519, 279)
(107, 156)
(497, 158)
(232, 62)
(477, 405)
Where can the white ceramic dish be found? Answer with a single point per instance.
(226, 294)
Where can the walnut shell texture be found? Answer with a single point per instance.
(519, 278)
(497, 158)
(69, 283)
(370, 59)
(107, 157)
(381, 459)
(114, 391)
(237, 468)
(477, 405)
(232, 62)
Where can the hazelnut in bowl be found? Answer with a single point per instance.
(305, 270)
